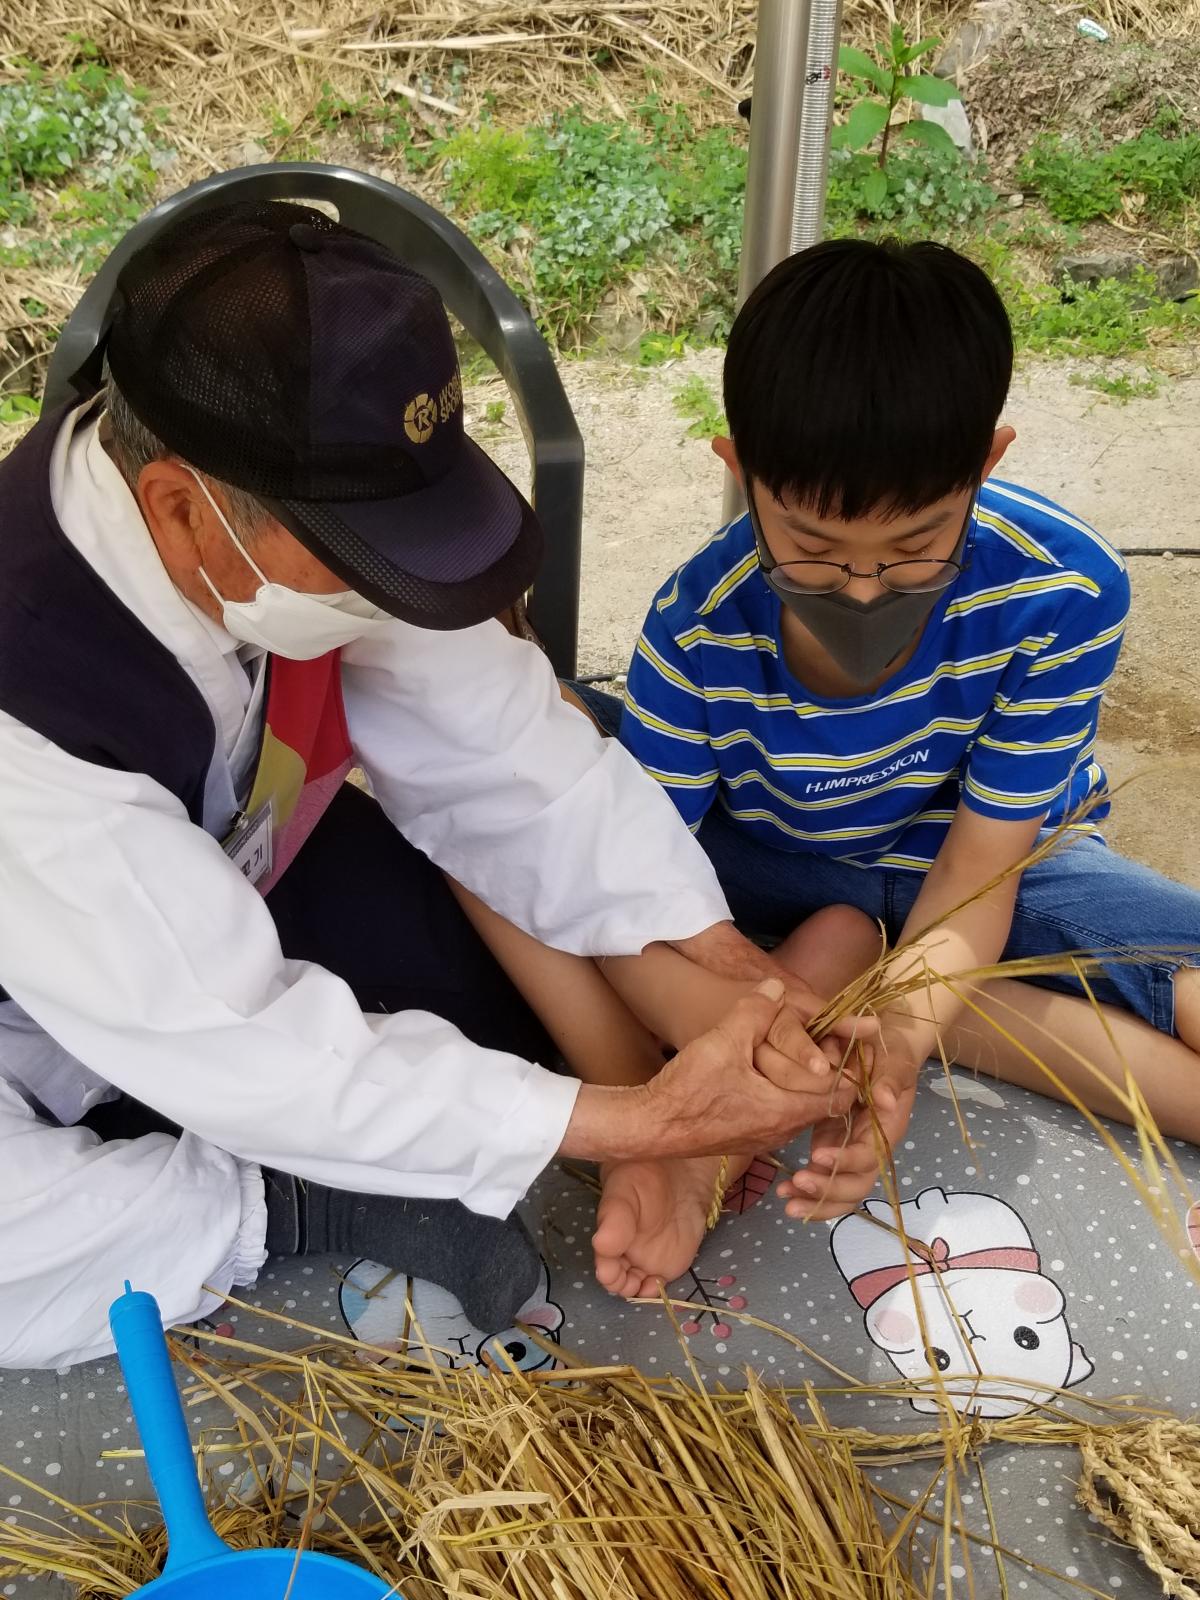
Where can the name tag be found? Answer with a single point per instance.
(250, 845)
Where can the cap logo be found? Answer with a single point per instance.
(420, 414)
(423, 412)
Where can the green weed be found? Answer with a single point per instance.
(18, 408)
(398, 131)
(493, 412)
(1123, 386)
(571, 207)
(91, 129)
(695, 400)
(284, 137)
(881, 84)
(50, 127)
(1105, 319)
(656, 347)
(1108, 318)
(90, 222)
(922, 193)
(333, 108)
(1078, 181)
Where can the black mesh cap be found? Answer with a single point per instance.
(294, 358)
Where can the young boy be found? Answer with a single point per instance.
(880, 685)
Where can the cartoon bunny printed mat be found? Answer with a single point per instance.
(1058, 1277)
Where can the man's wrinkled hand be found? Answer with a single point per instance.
(848, 1035)
(754, 1081)
(726, 953)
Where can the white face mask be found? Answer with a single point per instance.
(287, 622)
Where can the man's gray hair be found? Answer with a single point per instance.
(135, 447)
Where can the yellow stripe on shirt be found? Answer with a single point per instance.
(1023, 587)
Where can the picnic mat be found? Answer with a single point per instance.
(1058, 1273)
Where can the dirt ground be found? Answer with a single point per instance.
(653, 495)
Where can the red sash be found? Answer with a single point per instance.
(304, 755)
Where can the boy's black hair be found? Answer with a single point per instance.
(864, 377)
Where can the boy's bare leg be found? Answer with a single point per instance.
(1047, 1023)
(600, 1038)
(831, 948)
(1167, 1070)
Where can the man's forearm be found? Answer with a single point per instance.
(610, 1124)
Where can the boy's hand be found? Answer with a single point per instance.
(843, 1163)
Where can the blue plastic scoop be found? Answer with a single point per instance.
(200, 1566)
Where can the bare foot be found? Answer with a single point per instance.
(651, 1220)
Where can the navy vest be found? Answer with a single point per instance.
(79, 668)
(76, 665)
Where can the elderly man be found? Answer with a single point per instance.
(266, 552)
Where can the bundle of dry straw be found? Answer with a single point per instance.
(588, 1482)
(594, 1482)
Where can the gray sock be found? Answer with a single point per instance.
(490, 1267)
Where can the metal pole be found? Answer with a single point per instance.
(816, 119)
(780, 55)
(795, 68)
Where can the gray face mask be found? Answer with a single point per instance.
(863, 637)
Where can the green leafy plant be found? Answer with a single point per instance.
(570, 207)
(79, 160)
(1105, 319)
(658, 346)
(90, 222)
(882, 85)
(922, 192)
(1121, 386)
(19, 408)
(493, 412)
(51, 126)
(400, 132)
(1108, 318)
(1079, 181)
(696, 401)
(332, 107)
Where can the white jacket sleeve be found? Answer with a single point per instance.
(472, 752)
(133, 941)
(78, 1217)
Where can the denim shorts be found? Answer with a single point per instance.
(1083, 898)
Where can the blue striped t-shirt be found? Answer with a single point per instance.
(997, 707)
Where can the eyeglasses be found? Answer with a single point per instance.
(827, 577)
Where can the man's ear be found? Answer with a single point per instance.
(722, 448)
(171, 504)
(1001, 440)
